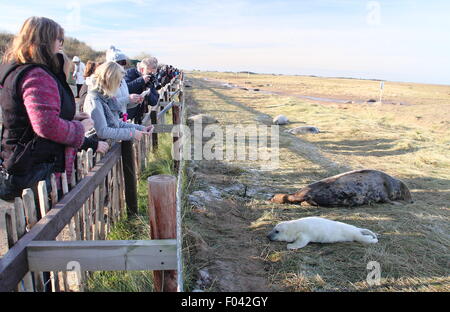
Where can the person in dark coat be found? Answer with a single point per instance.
(140, 79)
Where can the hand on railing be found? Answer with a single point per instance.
(138, 134)
(102, 147)
(149, 129)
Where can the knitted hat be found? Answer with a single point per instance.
(114, 55)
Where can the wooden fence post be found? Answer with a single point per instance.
(162, 214)
(154, 121)
(32, 219)
(129, 175)
(176, 119)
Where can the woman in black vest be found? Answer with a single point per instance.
(41, 131)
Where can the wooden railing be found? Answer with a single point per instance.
(91, 203)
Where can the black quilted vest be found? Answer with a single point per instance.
(17, 126)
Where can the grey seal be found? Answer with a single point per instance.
(353, 188)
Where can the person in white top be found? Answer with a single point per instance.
(124, 98)
(78, 74)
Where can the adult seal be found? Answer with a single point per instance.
(353, 188)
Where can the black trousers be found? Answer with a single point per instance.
(129, 174)
(78, 89)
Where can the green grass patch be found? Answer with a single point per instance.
(161, 161)
(135, 228)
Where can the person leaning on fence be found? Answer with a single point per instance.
(104, 107)
(140, 79)
(125, 99)
(40, 130)
(78, 73)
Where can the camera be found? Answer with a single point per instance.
(153, 82)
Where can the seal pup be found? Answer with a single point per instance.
(303, 130)
(280, 120)
(301, 232)
(353, 188)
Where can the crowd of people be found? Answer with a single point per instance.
(42, 127)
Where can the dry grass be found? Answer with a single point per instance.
(414, 243)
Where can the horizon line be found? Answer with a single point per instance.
(319, 76)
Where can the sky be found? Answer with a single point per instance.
(395, 40)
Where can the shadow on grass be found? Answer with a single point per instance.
(378, 148)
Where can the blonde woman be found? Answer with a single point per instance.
(104, 108)
(41, 130)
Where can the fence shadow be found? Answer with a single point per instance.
(378, 148)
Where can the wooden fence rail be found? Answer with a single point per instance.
(92, 202)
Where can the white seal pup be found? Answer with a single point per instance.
(302, 231)
(280, 120)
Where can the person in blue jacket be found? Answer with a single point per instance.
(140, 79)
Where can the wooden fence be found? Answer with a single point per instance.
(41, 232)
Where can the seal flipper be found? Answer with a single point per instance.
(279, 198)
(295, 199)
(368, 236)
(299, 243)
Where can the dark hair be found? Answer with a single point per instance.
(90, 68)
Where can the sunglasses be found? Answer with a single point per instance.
(122, 62)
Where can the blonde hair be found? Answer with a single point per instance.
(107, 78)
(35, 42)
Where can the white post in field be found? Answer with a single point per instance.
(381, 90)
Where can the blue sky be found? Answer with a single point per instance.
(392, 40)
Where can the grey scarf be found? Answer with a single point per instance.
(111, 108)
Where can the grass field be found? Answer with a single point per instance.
(406, 136)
